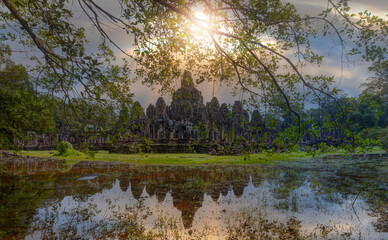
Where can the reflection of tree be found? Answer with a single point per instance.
(364, 176)
(24, 185)
(129, 223)
(80, 222)
(19, 198)
(258, 227)
(186, 190)
(148, 218)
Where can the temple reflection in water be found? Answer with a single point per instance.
(54, 198)
(200, 215)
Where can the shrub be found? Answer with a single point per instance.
(384, 139)
(380, 135)
(64, 147)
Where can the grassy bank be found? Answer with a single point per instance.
(174, 158)
(183, 158)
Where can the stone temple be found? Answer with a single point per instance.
(186, 125)
(188, 119)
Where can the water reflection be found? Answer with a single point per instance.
(321, 199)
(213, 219)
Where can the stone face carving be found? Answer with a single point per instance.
(224, 113)
(188, 118)
(246, 116)
(187, 80)
(237, 113)
(161, 109)
(187, 101)
(151, 111)
(213, 110)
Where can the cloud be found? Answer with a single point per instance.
(378, 7)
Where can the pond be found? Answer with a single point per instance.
(322, 198)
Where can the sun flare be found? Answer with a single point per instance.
(201, 16)
(198, 30)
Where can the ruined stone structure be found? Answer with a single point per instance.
(186, 125)
(188, 119)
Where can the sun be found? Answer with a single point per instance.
(202, 20)
(198, 29)
(201, 16)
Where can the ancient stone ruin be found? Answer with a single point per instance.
(187, 120)
(186, 125)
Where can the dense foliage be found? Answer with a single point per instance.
(63, 147)
(22, 109)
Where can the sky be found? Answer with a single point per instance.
(348, 74)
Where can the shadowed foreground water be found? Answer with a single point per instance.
(327, 198)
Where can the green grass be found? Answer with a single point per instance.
(343, 152)
(70, 153)
(184, 158)
(174, 158)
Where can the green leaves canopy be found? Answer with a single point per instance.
(22, 109)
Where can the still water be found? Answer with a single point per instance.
(324, 198)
